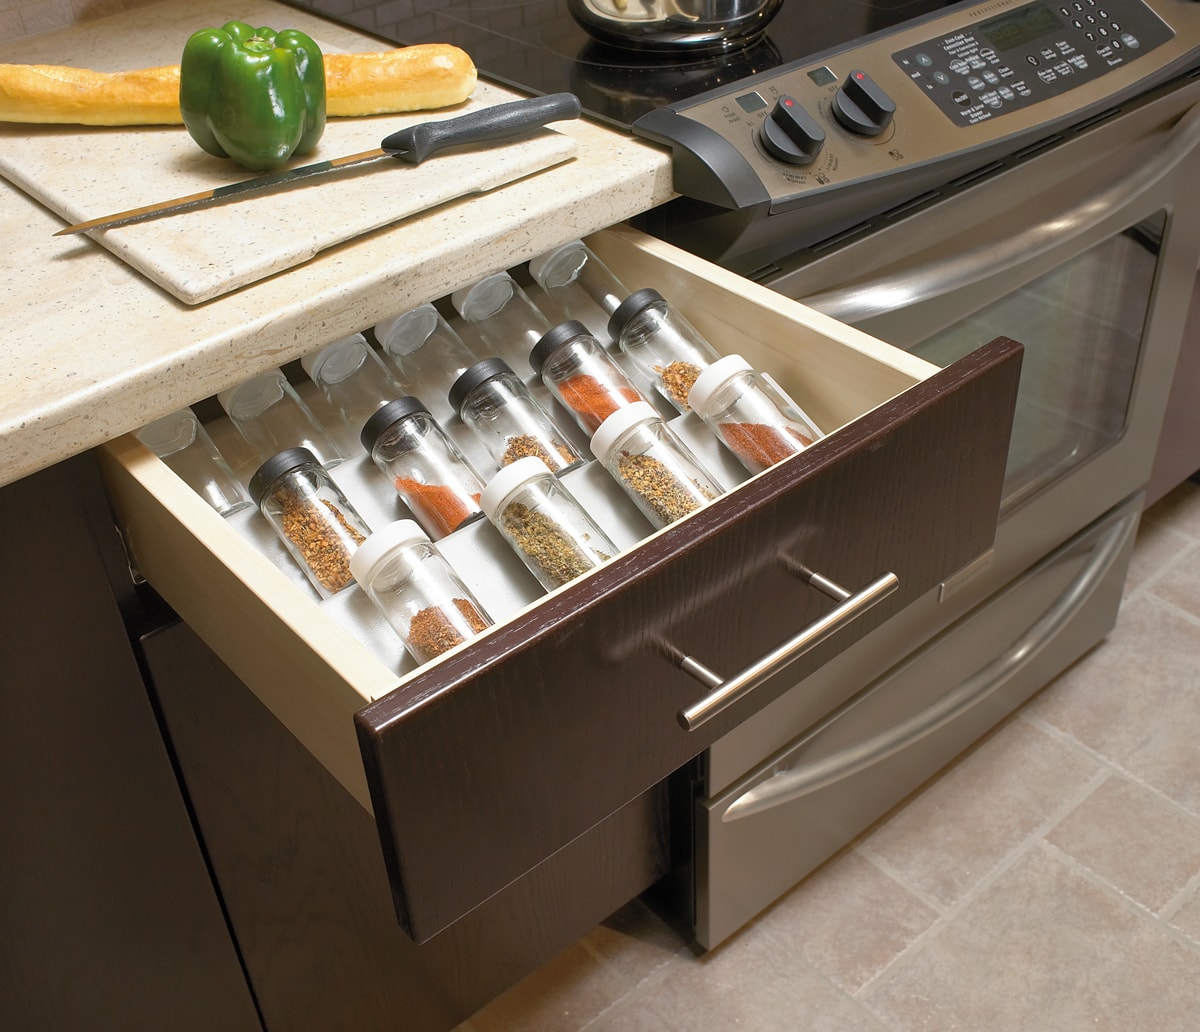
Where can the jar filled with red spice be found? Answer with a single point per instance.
(583, 376)
(425, 466)
(751, 414)
(496, 405)
(417, 590)
(659, 473)
(667, 349)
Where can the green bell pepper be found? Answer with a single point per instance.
(254, 95)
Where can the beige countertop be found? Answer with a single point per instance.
(92, 349)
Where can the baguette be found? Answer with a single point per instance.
(416, 78)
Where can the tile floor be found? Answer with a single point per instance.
(1048, 881)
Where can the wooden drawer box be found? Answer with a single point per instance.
(482, 764)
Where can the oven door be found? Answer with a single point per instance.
(1088, 255)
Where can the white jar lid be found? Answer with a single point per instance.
(510, 477)
(552, 265)
(336, 360)
(402, 334)
(484, 298)
(712, 379)
(614, 427)
(380, 544)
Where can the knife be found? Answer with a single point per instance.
(411, 146)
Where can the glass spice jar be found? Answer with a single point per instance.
(497, 406)
(417, 590)
(352, 377)
(311, 516)
(181, 441)
(652, 465)
(666, 349)
(547, 528)
(425, 349)
(582, 375)
(271, 416)
(507, 321)
(578, 285)
(751, 414)
(425, 466)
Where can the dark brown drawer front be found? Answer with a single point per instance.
(508, 751)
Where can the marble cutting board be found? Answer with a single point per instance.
(83, 173)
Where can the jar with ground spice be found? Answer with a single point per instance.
(578, 285)
(547, 528)
(582, 375)
(751, 414)
(497, 406)
(425, 466)
(652, 465)
(417, 590)
(503, 315)
(666, 349)
(312, 517)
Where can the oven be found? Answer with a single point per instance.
(937, 175)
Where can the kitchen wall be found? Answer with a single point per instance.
(19, 18)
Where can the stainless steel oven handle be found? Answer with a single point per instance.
(946, 275)
(728, 691)
(804, 779)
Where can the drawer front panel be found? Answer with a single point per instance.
(505, 752)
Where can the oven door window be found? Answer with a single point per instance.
(1082, 325)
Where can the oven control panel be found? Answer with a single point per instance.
(928, 100)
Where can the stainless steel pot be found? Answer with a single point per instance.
(673, 25)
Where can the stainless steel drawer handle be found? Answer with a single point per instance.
(727, 691)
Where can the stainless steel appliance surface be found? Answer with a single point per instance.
(937, 175)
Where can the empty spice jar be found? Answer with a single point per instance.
(667, 349)
(547, 528)
(425, 466)
(578, 284)
(652, 465)
(497, 406)
(751, 414)
(312, 517)
(352, 377)
(417, 591)
(425, 349)
(181, 441)
(507, 321)
(582, 375)
(272, 417)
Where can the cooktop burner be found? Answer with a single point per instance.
(538, 47)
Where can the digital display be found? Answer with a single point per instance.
(822, 76)
(749, 102)
(1013, 30)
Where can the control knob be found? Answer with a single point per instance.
(790, 133)
(861, 106)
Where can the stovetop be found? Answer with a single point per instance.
(537, 46)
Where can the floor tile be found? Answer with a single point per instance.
(1187, 917)
(1179, 584)
(958, 829)
(1134, 840)
(1044, 948)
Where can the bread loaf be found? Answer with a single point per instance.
(416, 78)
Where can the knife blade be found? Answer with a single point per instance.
(411, 146)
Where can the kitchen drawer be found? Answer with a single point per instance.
(480, 765)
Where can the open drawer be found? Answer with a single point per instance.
(483, 763)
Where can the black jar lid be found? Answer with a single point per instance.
(553, 339)
(385, 416)
(634, 304)
(472, 377)
(276, 466)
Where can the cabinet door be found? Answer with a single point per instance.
(110, 919)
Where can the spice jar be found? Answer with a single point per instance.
(352, 377)
(751, 414)
(181, 441)
(495, 403)
(547, 528)
(417, 591)
(578, 284)
(272, 417)
(507, 321)
(314, 520)
(668, 351)
(582, 375)
(653, 466)
(425, 466)
(426, 351)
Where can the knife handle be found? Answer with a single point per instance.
(414, 144)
